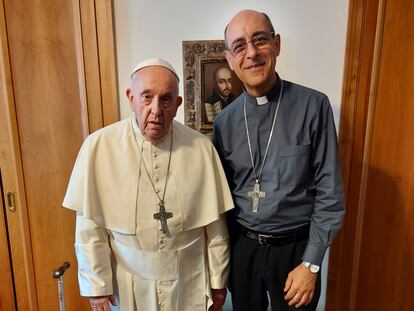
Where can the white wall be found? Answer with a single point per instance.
(312, 34)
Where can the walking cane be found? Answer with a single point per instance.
(58, 274)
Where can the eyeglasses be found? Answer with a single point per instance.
(239, 47)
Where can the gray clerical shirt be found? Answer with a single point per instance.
(301, 176)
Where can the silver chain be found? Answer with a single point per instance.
(270, 135)
(146, 169)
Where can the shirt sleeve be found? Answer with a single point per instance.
(218, 145)
(218, 253)
(217, 140)
(329, 207)
(93, 255)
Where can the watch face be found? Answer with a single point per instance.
(314, 268)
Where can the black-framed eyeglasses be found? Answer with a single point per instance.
(239, 47)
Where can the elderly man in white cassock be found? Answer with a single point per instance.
(150, 196)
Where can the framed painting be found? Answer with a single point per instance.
(209, 84)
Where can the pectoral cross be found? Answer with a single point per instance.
(162, 216)
(256, 194)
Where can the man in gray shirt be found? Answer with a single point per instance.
(278, 145)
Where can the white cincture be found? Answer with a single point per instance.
(150, 265)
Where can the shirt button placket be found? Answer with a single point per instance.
(161, 295)
(158, 186)
(156, 167)
(161, 244)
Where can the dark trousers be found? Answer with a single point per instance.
(257, 270)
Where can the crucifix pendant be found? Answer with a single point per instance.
(256, 194)
(162, 216)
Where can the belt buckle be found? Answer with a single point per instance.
(262, 238)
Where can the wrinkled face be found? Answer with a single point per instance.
(154, 98)
(224, 81)
(256, 66)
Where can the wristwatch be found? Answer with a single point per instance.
(312, 268)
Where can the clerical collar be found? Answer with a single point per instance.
(262, 100)
(270, 97)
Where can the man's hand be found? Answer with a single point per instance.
(219, 296)
(300, 286)
(101, 303)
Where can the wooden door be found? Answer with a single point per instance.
(372, 265)
(58, 84)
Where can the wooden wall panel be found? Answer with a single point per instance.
(107, 68)
(98, 46)
(90, 63)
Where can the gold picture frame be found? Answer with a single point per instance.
(201, 59)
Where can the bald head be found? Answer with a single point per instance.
(252, 48)
(244, 16)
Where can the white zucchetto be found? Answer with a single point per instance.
(154, 62)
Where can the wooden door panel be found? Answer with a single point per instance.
(12, 180)
(387, 248)
(50, 123)
(57, 84)
(362, 21)
(373, 259)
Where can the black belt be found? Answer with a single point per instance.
(278, 239)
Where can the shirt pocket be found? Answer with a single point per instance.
(294, 165)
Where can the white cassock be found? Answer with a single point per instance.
(119, 245)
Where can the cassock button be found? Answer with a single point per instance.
(155, 154)
(166, 283)
(156, 179)
(157, 190)
(156, 166)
